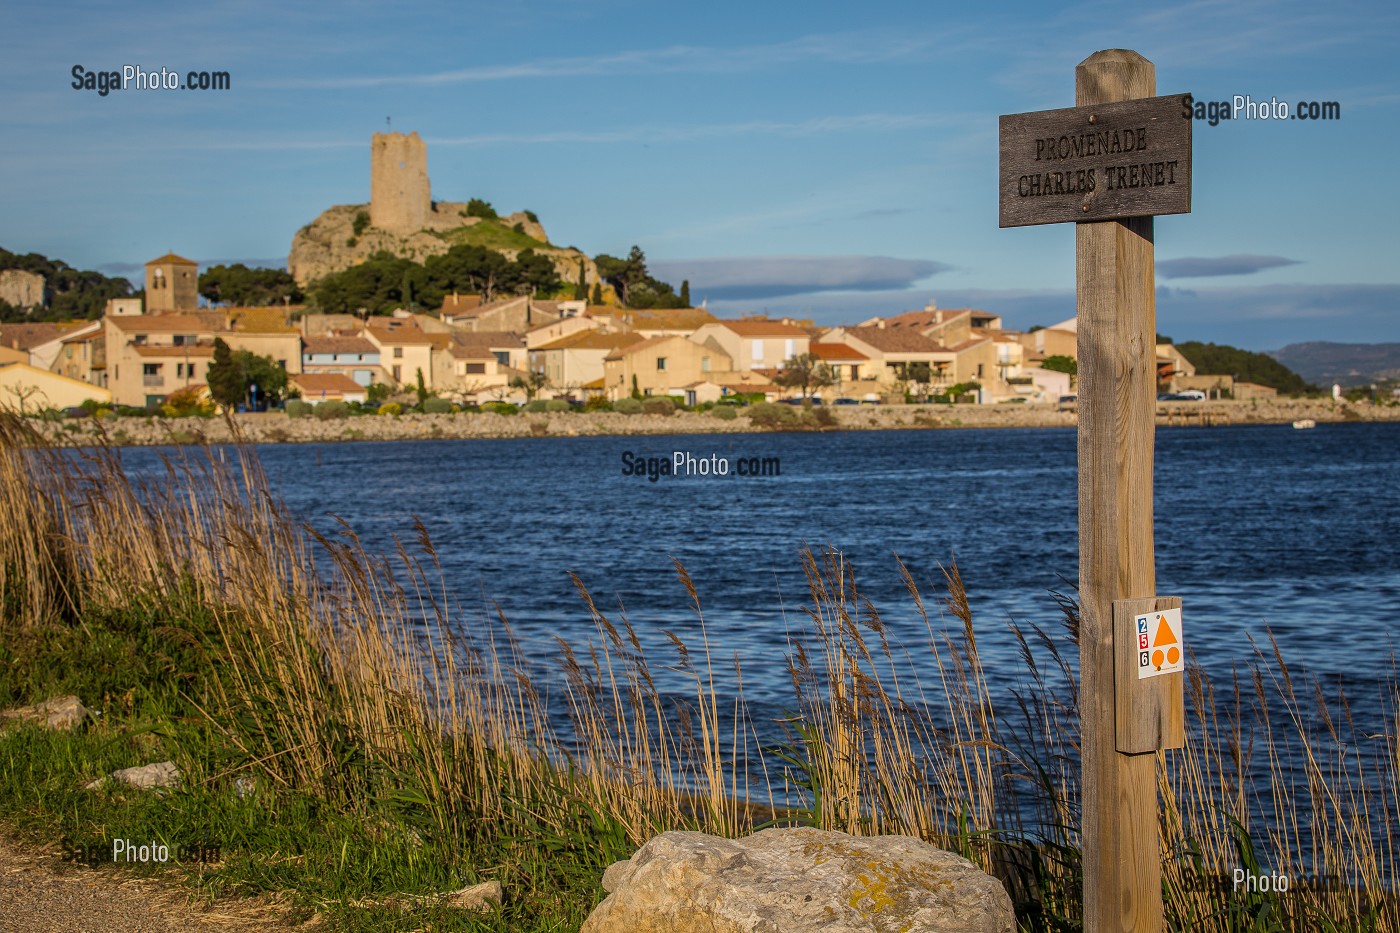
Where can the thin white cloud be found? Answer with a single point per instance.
(847, 49)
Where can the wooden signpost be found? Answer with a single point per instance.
(1110, 163)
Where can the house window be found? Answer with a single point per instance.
(704, 364)
(398, 353)
(791, 349)
(475, 369)
(398, 373)
(758, 351)
(139, 340)
(661, 364)
(502, 357)
(150, 369)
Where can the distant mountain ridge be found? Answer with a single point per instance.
(1347, 364)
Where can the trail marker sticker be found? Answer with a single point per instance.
(1159, 643)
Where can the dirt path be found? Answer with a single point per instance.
(39, 893)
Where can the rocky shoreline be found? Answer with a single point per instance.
(276, 427)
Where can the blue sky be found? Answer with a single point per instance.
(830, 160)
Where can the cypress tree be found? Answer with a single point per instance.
(685, 293)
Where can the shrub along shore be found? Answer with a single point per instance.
(278, 427)
(345, 738)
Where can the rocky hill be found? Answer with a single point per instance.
(342, 237)
(1346, 364)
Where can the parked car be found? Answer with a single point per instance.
(845, 401)
(1191, 395)
(1069, 402)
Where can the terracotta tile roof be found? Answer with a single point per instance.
(836, 351)
(337, 345)
(900, 340)
(591, 340)
(655, 318)
(265, 320)
(183, 322)
(763, 329)
(919, 320)
(313, 384)
(482, 344)
(172, 258)
(396, 333)
(640, 345)
(967, 344)
(28, 336)
(480, 309)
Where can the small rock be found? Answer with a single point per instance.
(65, 712)
(161, 774)
(478, 897)
(795, 881)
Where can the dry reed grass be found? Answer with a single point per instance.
(355, 677)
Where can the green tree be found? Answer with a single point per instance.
(234, 373)
(597, 298)
(685, 293)
(804, 371)
(636, 392)
(1061, 364)
(476, 207)
(226, 382)
(239, 285)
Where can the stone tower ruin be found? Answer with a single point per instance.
(399, 197)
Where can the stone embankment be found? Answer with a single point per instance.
(276, 427)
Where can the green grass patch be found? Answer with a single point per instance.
(149, 679)
(493, 234)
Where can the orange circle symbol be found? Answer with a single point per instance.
(1157, 658)
(1173, 655)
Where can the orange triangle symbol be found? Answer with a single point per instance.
(1165, 635)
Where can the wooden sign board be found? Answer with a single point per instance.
(1149, 712)
(1102, 162)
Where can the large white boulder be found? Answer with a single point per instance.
(797, 880)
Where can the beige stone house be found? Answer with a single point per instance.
(351, 356)
(894, 351)
(405, 349)
(328, 387)
(476, 366)
(575, 361)
(755, 344)
(27, 389)
(662, 366)
(149, 356)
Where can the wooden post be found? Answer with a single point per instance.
(1117, 402)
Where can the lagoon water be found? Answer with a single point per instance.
(1255, 526)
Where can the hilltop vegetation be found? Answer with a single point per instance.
(1244, 365)
(75, 294)
(244, 287)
